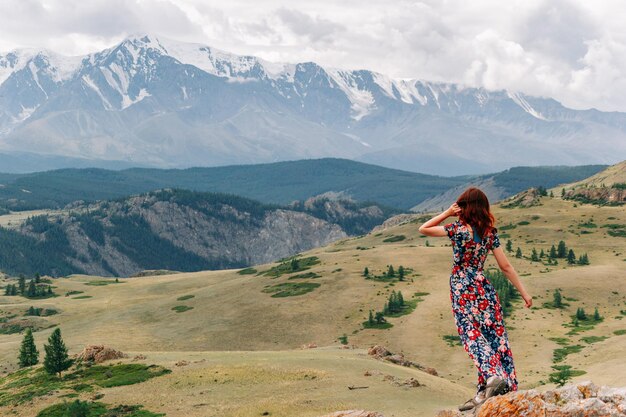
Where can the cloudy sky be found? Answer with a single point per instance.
(572, 50)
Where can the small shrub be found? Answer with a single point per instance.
(396, 238)
(185, 297)
(181, 308)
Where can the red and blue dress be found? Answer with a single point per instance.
(476, 306)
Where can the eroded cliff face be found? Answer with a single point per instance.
(584, 399)
(605, 195)
(161, 231)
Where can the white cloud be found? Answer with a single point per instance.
(571, 50)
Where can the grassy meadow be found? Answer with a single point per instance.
(240, 332)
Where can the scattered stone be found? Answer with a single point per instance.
(311, 345)
(354, 413)
(99, 354)
(182, 363)
(139, 357)
(411, 382)
(382, 353)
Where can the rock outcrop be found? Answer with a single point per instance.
(528, 198)
(382, 353)
(354, 413)
(599, 195)
(99, 354)
(584, 399)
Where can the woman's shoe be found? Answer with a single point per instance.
(473, 402)
(495, 386)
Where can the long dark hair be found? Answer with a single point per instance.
(475, 210)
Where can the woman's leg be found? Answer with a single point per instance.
(479, 348)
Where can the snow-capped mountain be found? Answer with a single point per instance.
(156, 101)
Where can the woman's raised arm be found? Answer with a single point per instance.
(432, 228)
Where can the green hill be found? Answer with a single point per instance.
(278, 183)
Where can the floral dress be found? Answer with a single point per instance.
(476, 306)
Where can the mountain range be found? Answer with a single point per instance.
(152, 101)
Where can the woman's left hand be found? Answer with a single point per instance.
(528, 300)
(454, 209)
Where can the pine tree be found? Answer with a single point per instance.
(49, 289)
(542, 254)
(400, 299)
(31, 311)
(56, 360)
(596, 315)
(295, 265)
(571, 258)
(561, 251)
(562, 192)
(401, 273)
(32, 289)
(558, 300)
(580, 314)
(366, 272)
(552, 254)
(391, 272)
(551, 194)
(583, 259)
(22, 284)
(7, 289)
(379, 317)
(534, 256)
(29, 355)
(370, 320)
(518, 253)
(14, 289)
(37, 278)
(509, 246)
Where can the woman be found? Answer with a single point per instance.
(475, 303)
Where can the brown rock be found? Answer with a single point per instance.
(430, 370)
(98, 354)
(381, 352)
(573, 400)
(182, 363)
(354, 413)
(378, 351)
(448, 413)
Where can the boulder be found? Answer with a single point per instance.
(354, 413)
(98, 354)
(583, 399)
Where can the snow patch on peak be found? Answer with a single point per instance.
(127, 101)
(519, 99)
(362, 101)
(58, 67)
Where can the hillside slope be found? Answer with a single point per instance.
(176, 230)
(277, 183)
(244, 328)
(606, 187)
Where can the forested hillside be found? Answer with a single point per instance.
(177, 230)
(279, 183)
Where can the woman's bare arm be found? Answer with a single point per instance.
(511, 274)
(432, 228)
